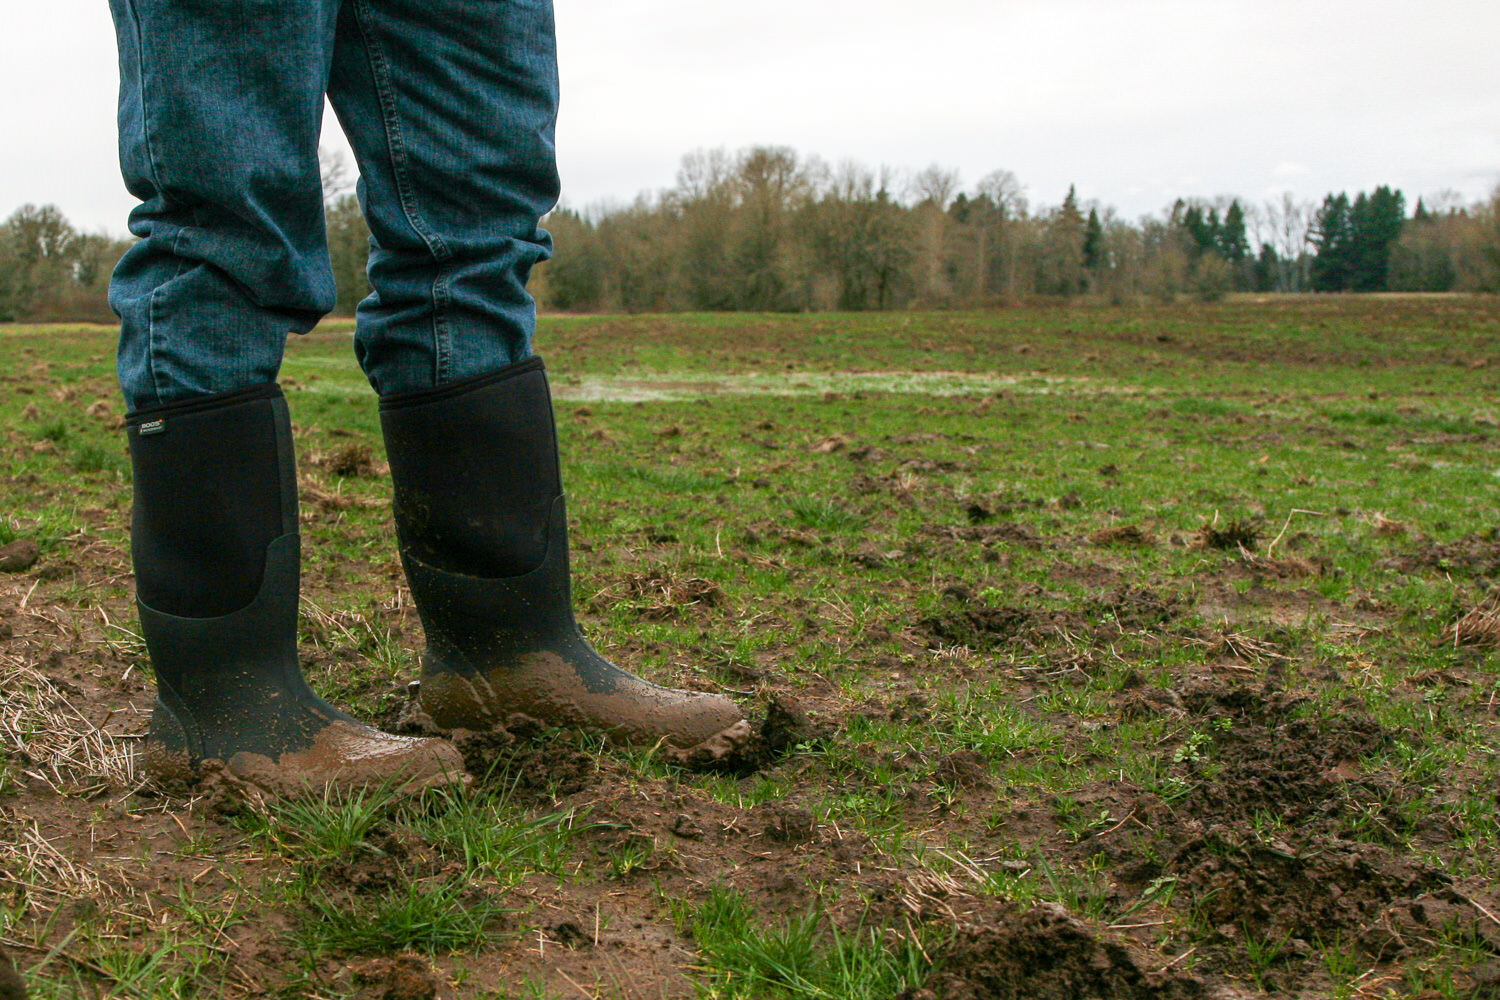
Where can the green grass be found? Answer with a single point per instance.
(415, 917)
(841, 508)
(805, 957)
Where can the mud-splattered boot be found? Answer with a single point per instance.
(484, 539)
(216, 552)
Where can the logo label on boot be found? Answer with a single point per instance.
(158, 426)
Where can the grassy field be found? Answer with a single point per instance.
(1126, 653)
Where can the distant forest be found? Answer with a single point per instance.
(764, 229)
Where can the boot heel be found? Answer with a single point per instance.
(168, 752)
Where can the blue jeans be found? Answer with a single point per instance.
(449, 106)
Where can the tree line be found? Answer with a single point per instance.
(764, 229)
(51, 272)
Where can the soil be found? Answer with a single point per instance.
(1043, 953)
(1277, 821)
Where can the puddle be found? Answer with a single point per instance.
(647, 386)
(653, 387)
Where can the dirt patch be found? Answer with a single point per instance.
(1135, 607)
(11, 985)
(1009, 532)
(19, 556)
(524, 758)
(352, 461)
(963, 769)
(1045, 954)
(1125, 534)
(664, 595)
(1471, 555)
(976, 625)
(1248, 889)
(404, 977)
(1231, 535)
(1278, 835)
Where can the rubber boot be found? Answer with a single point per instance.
(483, 532)
(216, 552)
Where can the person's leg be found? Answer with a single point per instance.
(219, 111)
(215, 546)
(483, 531)
(450, 106)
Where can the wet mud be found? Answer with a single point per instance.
(1280, 817)
(1007, 953)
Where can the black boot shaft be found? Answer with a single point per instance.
(483, 532)
(216, 549)
(215, 485)
(475, 471)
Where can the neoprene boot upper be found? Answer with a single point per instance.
(482, 527)
(216, 551)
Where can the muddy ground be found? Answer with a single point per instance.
(1229, 772)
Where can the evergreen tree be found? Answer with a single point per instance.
(1060, 264)
(1197, 229)
(1233, 244)
(1375, 225)
(1331, 236)
(1267, 264)
(1094, 255)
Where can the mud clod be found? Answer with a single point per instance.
(12, 986)
(686, 827)
(519, 757)
(1135, 607)
(1044, 954)
(742, 749)
(1233, 535)
(1125, 534)
(404, 977)
(787, 726)
(666, 596)
(791, 825)
(1471, 555)
(963, 769)
(976, 625)
(352, 461)
(570, 934)
(19, 556)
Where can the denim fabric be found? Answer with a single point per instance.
(449, 106)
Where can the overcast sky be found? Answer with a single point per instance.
(1136, 102)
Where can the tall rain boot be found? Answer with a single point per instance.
(216, 551)
(483, 534)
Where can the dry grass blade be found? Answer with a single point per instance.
(1238, 645)
(62, 747)
(1481, 626)
(33, 862)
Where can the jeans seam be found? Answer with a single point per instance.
(154, 304)
(140, 68)
(395, 144)
(441, 336)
